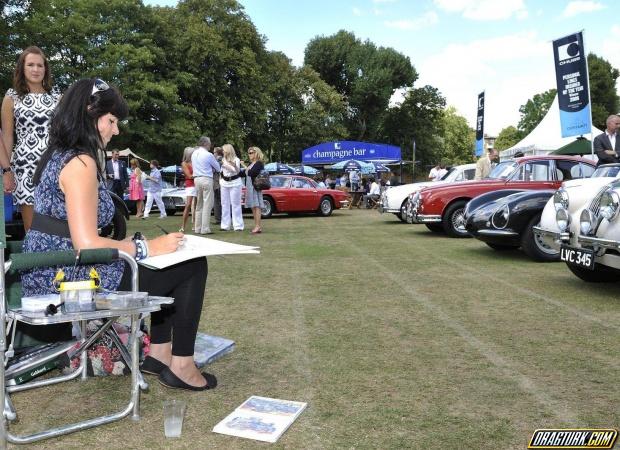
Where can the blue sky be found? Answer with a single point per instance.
(459, 46)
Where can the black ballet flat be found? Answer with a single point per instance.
(170, 380)
(152, 366)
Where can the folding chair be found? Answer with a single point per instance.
(11, 314)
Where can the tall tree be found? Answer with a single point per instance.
(366, 75)
(534, 110)
(603, 91)
(458, 138)
(508, 137)
(418, 118)
(304, 110)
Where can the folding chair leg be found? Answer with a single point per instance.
(135, 369)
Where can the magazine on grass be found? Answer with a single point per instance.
(196, 247)
(209, 348)
(261, 418)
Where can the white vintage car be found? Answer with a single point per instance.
(581, 221)
(394, 199)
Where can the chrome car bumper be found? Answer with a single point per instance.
(559, 237)
(499, 233)
(426, 218)
(600, 247)
(592, 241)
(382, 210)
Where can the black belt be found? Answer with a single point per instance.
(50, 225)
(234, 177)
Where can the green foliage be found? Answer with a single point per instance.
(202, 68)
(508, 137)
(603, 92)
(419, 117)
(458, 139)
(365, 75)
(534, 110)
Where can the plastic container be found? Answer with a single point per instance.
(39, 303)
(77, 296)
(120, 299)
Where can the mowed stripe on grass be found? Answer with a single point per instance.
(395, 336)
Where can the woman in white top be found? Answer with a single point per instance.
(230, 190)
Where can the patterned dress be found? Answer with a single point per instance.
(50, 201)
(136, 191)
(32, 114)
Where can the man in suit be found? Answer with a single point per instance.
(116, 174)
(607, 144)
(484, 164)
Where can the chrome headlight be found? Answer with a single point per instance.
(586, 222)
(562, 219)
(610, 205)
(500, 217)
(560, 199)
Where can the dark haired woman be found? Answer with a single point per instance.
(27, 109)
(71, 202)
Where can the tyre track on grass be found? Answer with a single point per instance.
(505, 367)
(300, 347)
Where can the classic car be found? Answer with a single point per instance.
(394, 199)
(442, 208)
(505, 219)
(581, 222)
(296, 193)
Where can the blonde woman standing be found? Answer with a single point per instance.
(230, 190)
(136, 190)
(190, 188)
(253, 197)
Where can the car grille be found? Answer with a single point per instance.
(595, 204)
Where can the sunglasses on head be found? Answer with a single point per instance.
(99, 86)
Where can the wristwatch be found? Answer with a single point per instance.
(6, 169)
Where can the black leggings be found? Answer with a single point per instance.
(185, 282)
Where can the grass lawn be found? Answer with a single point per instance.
(395, 336)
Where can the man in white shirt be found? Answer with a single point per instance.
(437, 172)
(373, 194)
(116, 174)
(204, 165)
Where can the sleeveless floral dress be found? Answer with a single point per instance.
(32, 113)
(50, 201)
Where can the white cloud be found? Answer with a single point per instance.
(581, 6)
(425, 20)
(484, 9)
(384, 1)
(357, 11)
(460, 71)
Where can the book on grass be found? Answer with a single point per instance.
(209, 348)
(261, 418)
(196, 247)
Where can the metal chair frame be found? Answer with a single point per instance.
(8, 321)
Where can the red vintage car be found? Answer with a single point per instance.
(442, 207)
(295, 193)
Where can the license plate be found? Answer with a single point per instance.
(577, 257)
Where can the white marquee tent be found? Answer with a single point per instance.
(546, 137)
(125, 154)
